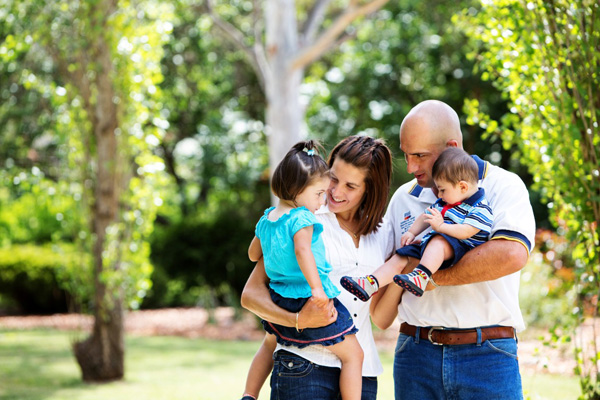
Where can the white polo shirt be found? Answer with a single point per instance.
(478, 304)
(346, 259)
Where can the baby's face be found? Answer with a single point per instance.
(452, 193)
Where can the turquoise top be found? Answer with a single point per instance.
(281, 265)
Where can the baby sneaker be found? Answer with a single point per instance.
(363, 287)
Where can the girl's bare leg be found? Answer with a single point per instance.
(351, 355)
(261, 366)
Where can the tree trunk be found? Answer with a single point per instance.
(101, 356)
(284, 114)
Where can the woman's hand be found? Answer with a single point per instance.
(313, 316)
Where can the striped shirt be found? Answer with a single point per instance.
(473, 211)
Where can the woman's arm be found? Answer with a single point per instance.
(256, 298)
(384, 305)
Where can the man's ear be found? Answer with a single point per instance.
(452, 143)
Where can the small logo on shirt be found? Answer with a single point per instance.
(406, 215)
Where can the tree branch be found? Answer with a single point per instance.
(328, 38)
(257, 61)
(314, 20)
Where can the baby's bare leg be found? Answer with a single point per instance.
(437, 251)
(391, 267)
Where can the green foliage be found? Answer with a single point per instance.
(544, 56)
(44, 279)
(204, 260)
(547, 293)
(51, 61)
(214, 107)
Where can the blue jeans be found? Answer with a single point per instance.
(423, 370)
(295, 378)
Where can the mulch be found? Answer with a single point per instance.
(224, 324)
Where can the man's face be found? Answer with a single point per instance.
(420, 151)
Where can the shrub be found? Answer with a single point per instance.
(201, 261)
(43, 279)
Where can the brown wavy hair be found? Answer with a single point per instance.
(373, 157)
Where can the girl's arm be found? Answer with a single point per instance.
(255, 250)
(306, 260)
(458, 231)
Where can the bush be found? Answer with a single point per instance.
(201, 261)
(43, 279)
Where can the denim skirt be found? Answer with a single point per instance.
(326, 335)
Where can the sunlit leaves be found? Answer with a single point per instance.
(545, 57)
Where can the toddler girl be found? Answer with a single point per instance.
(288, 237)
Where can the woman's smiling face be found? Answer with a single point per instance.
(347, 187)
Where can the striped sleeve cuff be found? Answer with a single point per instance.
(514, 236)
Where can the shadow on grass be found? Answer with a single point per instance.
(35, 364)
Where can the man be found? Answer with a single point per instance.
(458, 341)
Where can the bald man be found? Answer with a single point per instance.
(458, 341)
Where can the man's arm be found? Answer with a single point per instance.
(256, 298)
(489, 261)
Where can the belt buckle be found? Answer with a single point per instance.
(431, 330)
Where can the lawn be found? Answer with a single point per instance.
(38, 364)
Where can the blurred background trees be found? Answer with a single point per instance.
(188, 123)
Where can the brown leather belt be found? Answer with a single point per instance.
(441, 336)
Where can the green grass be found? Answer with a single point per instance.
(36, 365)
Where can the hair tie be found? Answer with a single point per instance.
(310, 152)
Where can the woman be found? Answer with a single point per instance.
(357, 242)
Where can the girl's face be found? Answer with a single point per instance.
(347, 187)
(314, 195)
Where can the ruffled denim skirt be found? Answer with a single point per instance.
(326, 335)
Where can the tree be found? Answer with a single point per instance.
(279, 53)
(100, 67)
(545, 57)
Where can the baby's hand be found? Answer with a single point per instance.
(407, 239)
(319, 297)
(434, 218)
